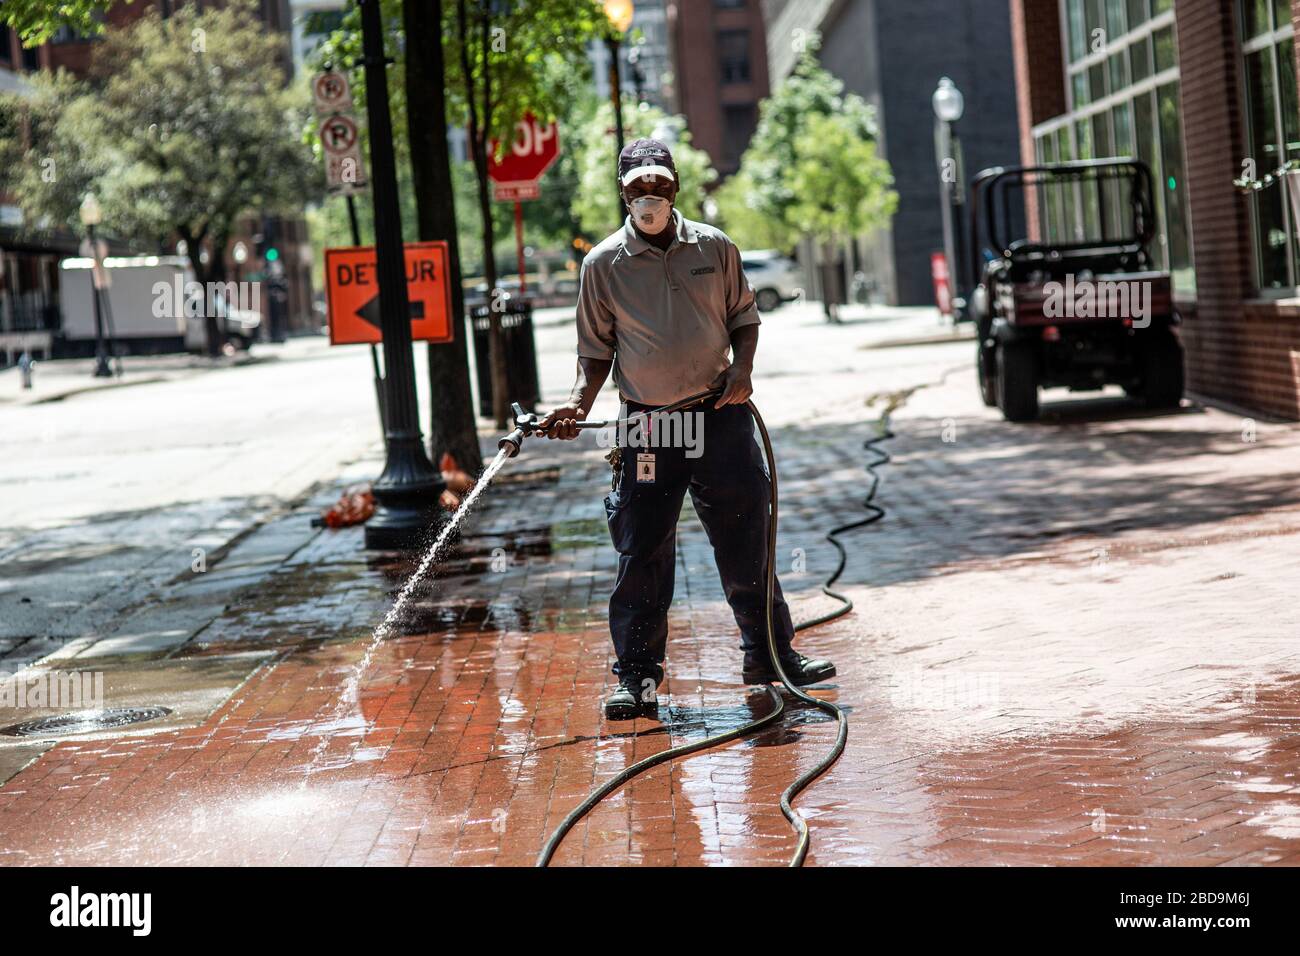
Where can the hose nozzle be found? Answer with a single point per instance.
(525, 424)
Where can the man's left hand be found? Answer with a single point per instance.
(736, 386)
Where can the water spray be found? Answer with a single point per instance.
(528, 424)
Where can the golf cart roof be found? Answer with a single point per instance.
(1084, 207)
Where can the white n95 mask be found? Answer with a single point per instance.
(651, 213)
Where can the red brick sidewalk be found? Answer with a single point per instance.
(1074, 643)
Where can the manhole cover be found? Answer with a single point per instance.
(84, 722)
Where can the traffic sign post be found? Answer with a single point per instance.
(531, 153)
(331, 93)
(352, 294)
(345, 172)
(341, 143)
(519, 246)
(514, 176)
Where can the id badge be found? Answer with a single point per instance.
(645, 467)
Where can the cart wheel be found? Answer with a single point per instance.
(1162, 370)
(986, 371)
(1017, 383)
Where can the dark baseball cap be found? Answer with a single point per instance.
(645, 157)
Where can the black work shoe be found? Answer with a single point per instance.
(633, 697)
(801, 670)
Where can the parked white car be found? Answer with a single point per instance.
(776, 278)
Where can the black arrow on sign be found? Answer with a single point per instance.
(370, 311)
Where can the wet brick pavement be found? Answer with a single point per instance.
(1074, 643)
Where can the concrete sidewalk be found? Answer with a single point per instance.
(1074, 644)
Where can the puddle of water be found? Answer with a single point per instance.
(435, 618)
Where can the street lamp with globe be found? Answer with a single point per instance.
(619, 13)
(949, 105)
(91, 216)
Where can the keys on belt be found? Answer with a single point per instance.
(615, 459)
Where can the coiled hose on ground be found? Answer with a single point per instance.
(797, 822)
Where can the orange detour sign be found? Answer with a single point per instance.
(352, 293)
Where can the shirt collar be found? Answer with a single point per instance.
(634, 244)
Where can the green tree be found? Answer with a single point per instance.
(11, 139)
(513, 59)
(51, 161)
(748, 218)
(35, 21)
(841, 188)
(811, 168)
(501, 60)
(595, 204)
(186, 126)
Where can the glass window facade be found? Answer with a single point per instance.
(1272, 135)
(1123, 78)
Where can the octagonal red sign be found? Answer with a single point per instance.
(529, 154)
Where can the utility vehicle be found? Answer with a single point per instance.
(1077, 303)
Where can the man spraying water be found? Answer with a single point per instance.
(664, 304)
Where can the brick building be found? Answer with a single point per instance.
(719, 54)
(1099, 78)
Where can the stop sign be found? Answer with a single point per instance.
(529, 154)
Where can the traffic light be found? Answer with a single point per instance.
(264, 241)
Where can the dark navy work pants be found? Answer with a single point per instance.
(729, 487)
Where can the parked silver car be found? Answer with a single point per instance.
(776, 278)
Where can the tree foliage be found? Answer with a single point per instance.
(185, 126)
(522, 57)
(552, 79)
(841, 187)
(36, 21)
(811, 167)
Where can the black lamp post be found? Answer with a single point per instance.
(638, 75)
(406, 494)
(92, 216)
(619, 13)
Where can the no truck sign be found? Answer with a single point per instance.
(341, 143)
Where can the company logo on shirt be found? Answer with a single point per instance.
(703, 270)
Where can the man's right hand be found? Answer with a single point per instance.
(562, 423)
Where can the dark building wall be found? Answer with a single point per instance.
(893, 54)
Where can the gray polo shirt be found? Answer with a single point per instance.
(665, 318)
